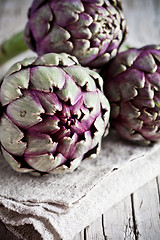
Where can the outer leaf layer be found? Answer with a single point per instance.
(54, 114)
(132, 85)
(90, 30)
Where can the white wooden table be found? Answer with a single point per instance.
(138, 216)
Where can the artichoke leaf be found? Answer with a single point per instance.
(70, 92)
(99, 130)
(18, 66)
(11, 136)
(25, 111)
(39, 144)
(83, 146)
(10, 88)
(81, 77)
(44, 162)
(145, 62)
(14, 164)
(67, 145)
(45, 78)
(65, 169)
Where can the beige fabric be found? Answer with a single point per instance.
(58, 207)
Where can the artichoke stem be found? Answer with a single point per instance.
(124, 47)
(12, 47)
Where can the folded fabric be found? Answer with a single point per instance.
(59, 206)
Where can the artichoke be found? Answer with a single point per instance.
(132, 85)
(91, 30)
(54, 114)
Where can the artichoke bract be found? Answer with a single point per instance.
(91, 30)
(132, 85)
(54, 114)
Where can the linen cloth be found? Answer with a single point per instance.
(59, 206)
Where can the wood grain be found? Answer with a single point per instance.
(118, 221)
(95, 231)
(135, 218)
(147, 211)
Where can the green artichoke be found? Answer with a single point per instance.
(132, 85)
(54, 114)
(91, 30)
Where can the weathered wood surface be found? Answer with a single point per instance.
(135, 218)
(138, 216)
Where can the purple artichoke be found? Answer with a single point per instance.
(132, 85)
(91, 30)
(54, 114)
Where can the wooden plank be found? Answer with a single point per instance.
(136, 217)
(118, 221)
(80, 236)
(95, 230)
(158, 186)
(146, 212)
